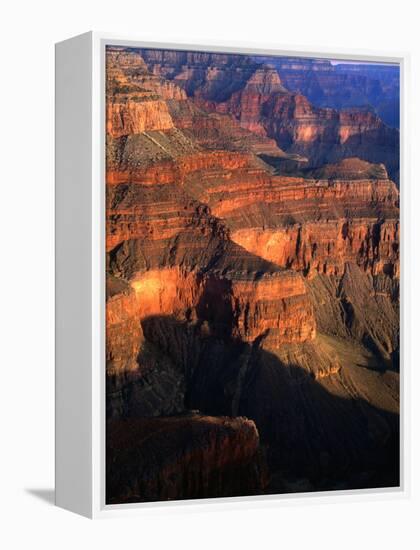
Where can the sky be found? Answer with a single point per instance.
(345, 62)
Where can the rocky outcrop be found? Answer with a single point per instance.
(272, 310)
(136, 99)
(247, 103)
(134, 117)
(191, 456)
(123, 328)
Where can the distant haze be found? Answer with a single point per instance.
(345, 62)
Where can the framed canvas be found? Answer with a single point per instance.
(229, 252)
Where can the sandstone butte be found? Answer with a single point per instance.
(253, 277)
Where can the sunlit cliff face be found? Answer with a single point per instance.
(155, 292)
(307, 133)
(164, 291)
(275, 304)
(133, 118)
(326, 246)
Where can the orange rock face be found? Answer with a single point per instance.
(123, 333)
(325, 247)
(154, 292)
(133, 118)
(323, 224)
(276, 310)
(136, 100)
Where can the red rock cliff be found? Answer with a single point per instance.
(183, 458)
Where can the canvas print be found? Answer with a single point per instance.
(252, 244)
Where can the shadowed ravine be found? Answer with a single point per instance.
(313, 434)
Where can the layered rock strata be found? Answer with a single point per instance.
(203, 457)
(253, 93)
(235, 289)
(343, 84)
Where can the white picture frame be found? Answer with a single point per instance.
(80, 276)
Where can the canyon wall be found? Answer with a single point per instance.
(343, 85)
(254, 94)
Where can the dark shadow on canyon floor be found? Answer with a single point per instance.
(314, 434)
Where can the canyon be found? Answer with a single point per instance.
(252, 318)
(254, 93)
(339, 84)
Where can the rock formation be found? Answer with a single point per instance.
(203, 456)
(253, 93)
(252, 271)
(342, 85)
